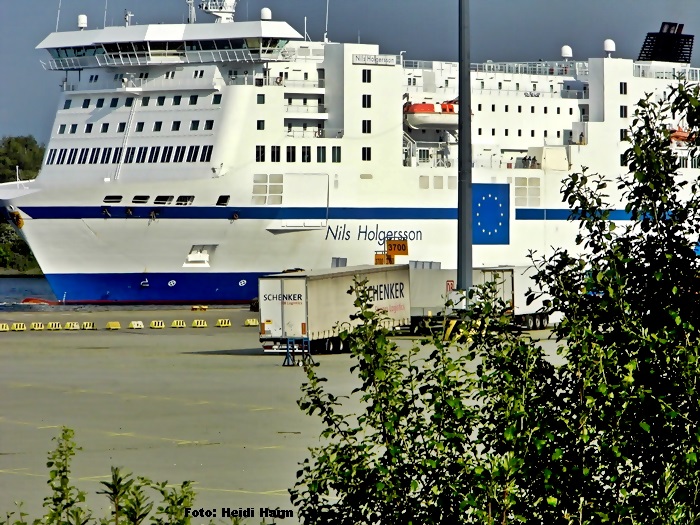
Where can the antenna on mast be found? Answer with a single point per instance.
(223, 10)
(192, 12)
(58, 15)
(128, 15)
(104, 23)
(325, 34)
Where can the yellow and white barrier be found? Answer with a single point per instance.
(54, 325)
(114, 325)
(199, 323)
(72, 325)
(136, 325)
(4, 327)
(178, 323)
(36, 326)
(251, 322)
(223, 323)
(19, 327)
(158, 325)
(88, 325)
(200, 308)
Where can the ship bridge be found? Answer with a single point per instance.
(169, 44)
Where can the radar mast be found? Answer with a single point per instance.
(223, 10)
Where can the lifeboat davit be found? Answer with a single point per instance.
(443, 115)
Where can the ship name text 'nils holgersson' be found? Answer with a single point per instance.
(186, 160)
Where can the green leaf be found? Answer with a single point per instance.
(558, 453)
(645, 426)
(551, 500)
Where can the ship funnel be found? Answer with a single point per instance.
(265, 13)
(609, 47)
(82, 22)
(567, 52)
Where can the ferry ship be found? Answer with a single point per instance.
(187, 160)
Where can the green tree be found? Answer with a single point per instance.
(24, 152)
(487, 431)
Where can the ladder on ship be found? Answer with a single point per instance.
(125, 141)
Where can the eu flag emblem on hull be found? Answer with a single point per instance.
(491, 213)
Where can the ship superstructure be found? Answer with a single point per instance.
(187, 160)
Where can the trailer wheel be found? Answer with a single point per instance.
(530, 322)
(544, 321)
(538, 322)
(335, 345)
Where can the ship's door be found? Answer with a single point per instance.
(311, 193)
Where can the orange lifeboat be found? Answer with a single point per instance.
(425, 115)
(680, 135)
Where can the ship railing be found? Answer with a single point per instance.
(430, 154)
(563, 93)
(533, 68)
(322, 133)
(259, 80)
(659, 72)
(316, 108)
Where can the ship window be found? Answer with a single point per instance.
(73, 128)
(532, 132)
(51, 157)
(493, 132)
(94, 155)
(683, 162)
(167, 154)
(86, 103)
(129, 102)
(261, 98)
(117, 157)
(482, 85)
(175, 126)
(321, 154)
(140, 199)
(216, 99)
(129, 156)
(88, 127)
(155, 152)
(545, 110)
(493, 107)
(424, 182)
(545, 133)
(623, 111)
(193, 100)
(83, 155)
(366, 153)
(306, 153)
(139, 127)
(177, 99)
(106, 154)
(105, 127)
(335, 154)
(366, 101)
(623, 135)
(479, 131)
(532, 109)
(506, 132)
(157, 126)
(163, 199)
(291, 153)
(113, 103)
(223, 200)
(623, 88)
(366, 76)
(61, 129)
(558, 111)
(366, 126)
(194, 125)
(275, 153)
(192, 154)
(112, 199)
(145, 101)
(208, 125)
(161, 101)
(623, 160)
(423, 155)
(141, 155)
(478, 108)
(61, 156)
(206, 153)
(259, 153)
(520, 133)
(184, 200)
(179, 154)
(71, 156)
(506, 108)
(100, 103)
(438, 182)
(558, 134)
(122, 127)
(67, 103)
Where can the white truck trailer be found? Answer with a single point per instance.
(315, 305)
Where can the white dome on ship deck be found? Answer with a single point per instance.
(265, 13)
(609, 46)
(567, 52)
(82, 22)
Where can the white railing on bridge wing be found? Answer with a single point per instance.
(527, 68)
(562, 93)
(324, 133)
(666, 73)
(296, 108)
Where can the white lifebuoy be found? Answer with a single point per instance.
(317, 134)
(278, 81)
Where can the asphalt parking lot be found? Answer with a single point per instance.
(190, 404)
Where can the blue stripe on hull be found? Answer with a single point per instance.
(170, 288)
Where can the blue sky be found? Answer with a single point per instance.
(502, 30)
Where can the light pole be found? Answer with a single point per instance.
(464, 179)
